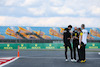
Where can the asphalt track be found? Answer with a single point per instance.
(32, 58)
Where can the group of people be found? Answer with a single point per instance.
(79, 37)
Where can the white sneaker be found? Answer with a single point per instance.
(66, 60)
(74, 60)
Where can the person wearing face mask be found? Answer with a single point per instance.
(75, 36)
(66, 40)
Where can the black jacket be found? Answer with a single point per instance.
(66, 35)
(75, 34)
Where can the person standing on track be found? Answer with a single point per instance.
(66, 40)
(79, 50)
(82, 43)
(75, 36)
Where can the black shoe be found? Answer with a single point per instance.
(78, 60)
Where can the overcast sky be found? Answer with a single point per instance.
(52, 13)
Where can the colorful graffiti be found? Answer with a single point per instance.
(55, 33)
(22, 32)
(2, 37)
(26, 34)
(60, 34)
(95, 33)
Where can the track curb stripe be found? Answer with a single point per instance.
(12, 60)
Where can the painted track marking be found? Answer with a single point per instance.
(7, 60)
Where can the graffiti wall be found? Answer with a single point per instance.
(22, 32)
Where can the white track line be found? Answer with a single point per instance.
(9, 62)
(6, 57)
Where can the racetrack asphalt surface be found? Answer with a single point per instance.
(45, 58)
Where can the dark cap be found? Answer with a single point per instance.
(83, 25)
(70, 26)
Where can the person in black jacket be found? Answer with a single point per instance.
(66, 40)
(75, 37)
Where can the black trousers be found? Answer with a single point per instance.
(82, 51)
(75, 47)
(68, 44)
